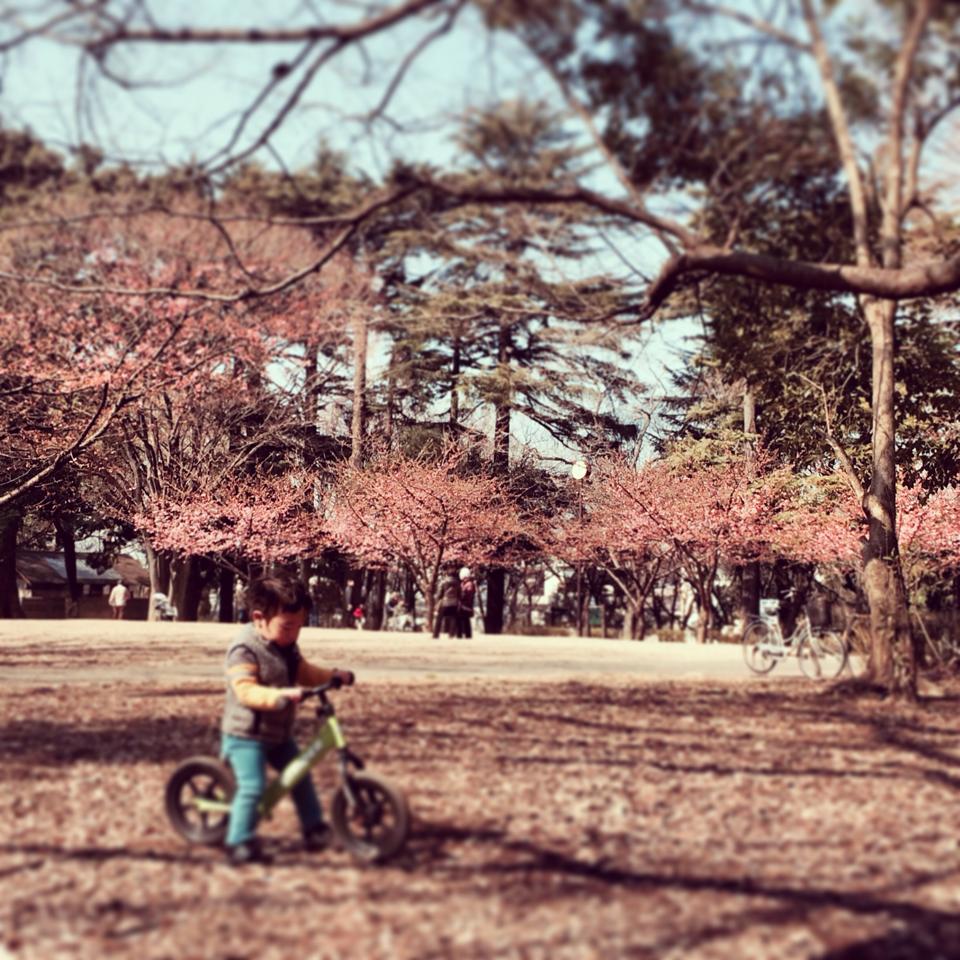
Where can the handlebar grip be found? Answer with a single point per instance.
(335, 683)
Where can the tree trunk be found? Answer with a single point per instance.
(893, 662)
(493, 617)
(705, 620)
(455, 385)
(376, 593)
(188, 584)
(226, 586)
(410, 595)
(496, 577)
(9, 595)
(68, 544)
(359, 419)
(158, 566)
(390, 398)
(749, 572)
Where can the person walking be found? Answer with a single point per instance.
(118, 598)
(468, 593)
(447, 612)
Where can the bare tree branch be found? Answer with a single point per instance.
(920, 280)
(762, 26)
(340, 33)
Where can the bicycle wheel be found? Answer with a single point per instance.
(375, 827)
(756, 643)
(197, 800)
(822, 656)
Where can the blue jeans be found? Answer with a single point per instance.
(249, 759)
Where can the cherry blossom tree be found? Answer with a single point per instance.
(266, 519)
(423, 514)
(607, 532)
(929, 531)
(699, 512)
(162, 397)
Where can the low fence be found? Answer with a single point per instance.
(86, 608)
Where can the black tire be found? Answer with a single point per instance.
(376, 827)
(759, 661)
(822, 656)
(204, 778)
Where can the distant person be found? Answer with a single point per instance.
(447, 613)
(118, 598)
(163, 608)
(392, 609)
(358, 616)
(314, 588)
(468, 593)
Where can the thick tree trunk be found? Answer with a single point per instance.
(9, 596)
(410, 595)
(65, 535)
(188, 584)
(493, 616)
(893, 663)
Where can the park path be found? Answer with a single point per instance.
(88, 651)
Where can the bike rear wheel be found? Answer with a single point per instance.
(197, 800)
(756, 642)
(375, 827)
(822, 656)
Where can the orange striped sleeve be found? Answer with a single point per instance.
(245, 680)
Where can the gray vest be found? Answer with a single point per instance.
(273, 664)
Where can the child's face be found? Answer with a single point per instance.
(282, 628)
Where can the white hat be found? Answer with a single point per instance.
(464, 573)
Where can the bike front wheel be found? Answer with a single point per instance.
(374, 825)
(197, 800)
(757, 640)
(822, 656)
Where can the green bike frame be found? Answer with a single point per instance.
(328, 737)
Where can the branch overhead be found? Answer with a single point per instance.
(342, 33)
(927, 279)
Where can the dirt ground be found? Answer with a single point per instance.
(606, 817)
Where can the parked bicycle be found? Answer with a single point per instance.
(822, 655)
(369, 815)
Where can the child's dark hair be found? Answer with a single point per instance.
(273, 595)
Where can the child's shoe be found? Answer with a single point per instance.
(318, 838)
(249, 851)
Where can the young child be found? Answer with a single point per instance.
(265, 676)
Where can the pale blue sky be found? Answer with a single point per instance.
(203, 89)
(194, 111)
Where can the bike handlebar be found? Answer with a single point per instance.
(334, 683)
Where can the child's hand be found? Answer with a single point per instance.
(346, 677)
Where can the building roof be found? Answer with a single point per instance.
(38, 567)
(131, 570)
